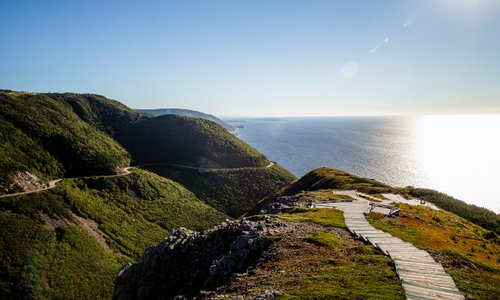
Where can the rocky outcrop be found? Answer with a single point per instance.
(187, 262)
(23, 181)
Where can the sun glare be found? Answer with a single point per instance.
(442, 141)
(469, 9)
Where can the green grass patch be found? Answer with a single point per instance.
(326, 239)
(322, 216)
(349, 277)
(323, 195)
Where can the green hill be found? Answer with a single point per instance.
(166, 138)
(187, 141)
(70, 241)
(233, 191)
(45, 137)
(185, 112)
(325, 178)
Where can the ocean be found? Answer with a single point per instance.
(455, 154)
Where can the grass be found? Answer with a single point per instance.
(325, 239)
(349, 277)
(350, 271)
(322, 216)
(478, 215)
(323, 195)
(471, 259)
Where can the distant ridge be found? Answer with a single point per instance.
(186, 113)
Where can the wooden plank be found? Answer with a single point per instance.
(432, 293)
(438, 282)
(434, 267)
(407, 259)
(405, 274)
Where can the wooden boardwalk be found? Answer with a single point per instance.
(421, 276)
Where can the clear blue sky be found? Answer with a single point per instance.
(259, 58)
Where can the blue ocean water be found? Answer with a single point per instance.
(457, 155)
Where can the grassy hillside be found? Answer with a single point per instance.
(20, 152)
(326, 178)
(475, 214)
(233, 191)
(89, 228)
(45, 137)
(105, 114)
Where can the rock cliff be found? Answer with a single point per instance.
(187, 262)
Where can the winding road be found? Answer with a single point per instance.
(127, 170)
(53, 183)
(205, 169)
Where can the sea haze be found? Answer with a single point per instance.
(455, 154)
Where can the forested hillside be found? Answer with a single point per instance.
(69, 242)
(44, 136)
(233, 191)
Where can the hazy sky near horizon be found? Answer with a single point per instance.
(261, 58)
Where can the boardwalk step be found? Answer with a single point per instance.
(435, 286)
(409, 253)
(418, 260)
(360, 227)
(405, 274)
(435, 280)
(410, 296)
(374, 240)
(402, 262)
(364, 232)
(423, 273)
(434, 268)
(431, 293)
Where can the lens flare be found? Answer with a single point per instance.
(348, 71)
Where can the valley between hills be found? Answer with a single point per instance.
(204, 215)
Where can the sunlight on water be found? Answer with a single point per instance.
(459, 155)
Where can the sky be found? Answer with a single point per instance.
(260, 58)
